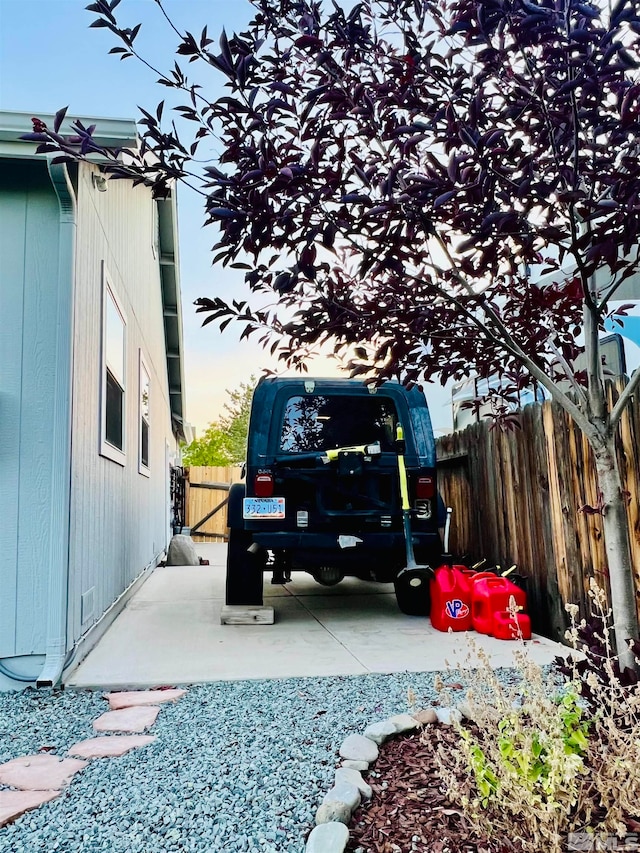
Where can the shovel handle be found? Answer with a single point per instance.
(404, 490)
(402, 471)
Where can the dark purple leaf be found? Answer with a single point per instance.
(442, 199)
(59, 118)
(223, 213)
(309, 41)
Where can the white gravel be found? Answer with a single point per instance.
(237, 766)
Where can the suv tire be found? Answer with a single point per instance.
(244, 570)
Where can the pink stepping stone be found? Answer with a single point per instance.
(15, 803)
(127, 719)
(133, 698)
(39, 772)
(109, 747)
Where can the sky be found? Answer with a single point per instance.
(50, 58)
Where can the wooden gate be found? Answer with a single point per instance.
(207, 498)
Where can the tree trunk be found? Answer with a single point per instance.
(616, 538)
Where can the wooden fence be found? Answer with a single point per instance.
(517, 496)
(206, 495)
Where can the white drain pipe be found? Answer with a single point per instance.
(58, 556)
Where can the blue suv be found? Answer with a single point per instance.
(322, 493)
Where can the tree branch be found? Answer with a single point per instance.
(623, 399)
(505, 339)
(569, 373)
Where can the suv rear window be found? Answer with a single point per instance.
(323, 422)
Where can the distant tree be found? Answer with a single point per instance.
(210, 449)
(235, 420)
(400, 174)
(224, 442)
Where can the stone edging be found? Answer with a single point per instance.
(358, 752)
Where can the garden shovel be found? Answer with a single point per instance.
(413, 574)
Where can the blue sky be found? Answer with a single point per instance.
(49, 58)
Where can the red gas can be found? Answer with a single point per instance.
(450, 599)
(472, 575)
(504, 625)
(490, 595)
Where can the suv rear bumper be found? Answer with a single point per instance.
(385, 540)
(384, 551)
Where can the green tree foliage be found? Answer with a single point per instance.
(211, 449)
(235, 421)
(225, 440)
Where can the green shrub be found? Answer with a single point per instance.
(558, 752)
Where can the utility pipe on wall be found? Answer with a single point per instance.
(60, 475)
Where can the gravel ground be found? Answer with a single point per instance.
(238, 766)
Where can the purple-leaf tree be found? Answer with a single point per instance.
(399, 178)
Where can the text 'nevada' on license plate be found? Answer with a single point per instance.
(263, 508)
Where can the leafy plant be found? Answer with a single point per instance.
(548, 754)
(486, 780)
(526, 752)
(612, 698)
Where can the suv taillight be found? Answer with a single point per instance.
(263, 485)
(425, 487)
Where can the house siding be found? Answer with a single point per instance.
(29, 246)
(118, 516)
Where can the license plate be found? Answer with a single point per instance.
(263, 508)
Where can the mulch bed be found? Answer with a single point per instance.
(409, 811)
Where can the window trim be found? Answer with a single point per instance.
(143, 368)
(107, 449)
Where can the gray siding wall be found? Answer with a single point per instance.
(29, 244)
(119, 522)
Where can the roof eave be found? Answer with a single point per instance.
(109, 133)
(172, 310)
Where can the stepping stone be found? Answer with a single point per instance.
(109, 747)
(127, 719)
(15, 803)
(39, 772)
(134, 698)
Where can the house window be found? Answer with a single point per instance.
(144, 417)
(112, 443)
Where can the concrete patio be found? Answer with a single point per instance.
(170, 633)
